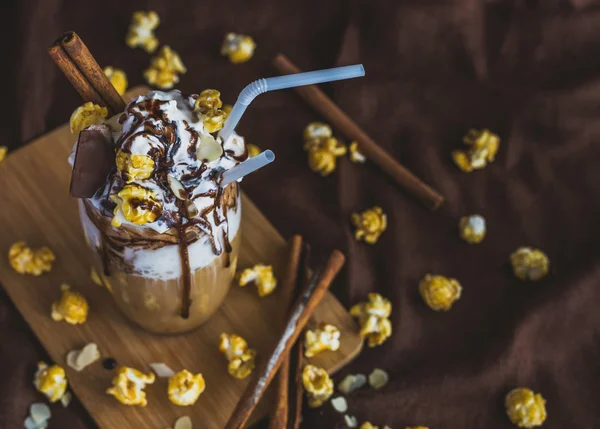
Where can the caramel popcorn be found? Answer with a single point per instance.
(134, 167)
(317, 384)
(439, 292)
(373, 318)
(51, 381)
(525, 408)
(529, 263)
(141, 31)
(325, 337)
(3, 152)
(368, 425)
(323, 154)
(238, 47)
(86, 115)
(483, 146)
(27, 261)
(253, 150)
(128, 386)
(262, 276)
(227, 108)
(164, 69)
(117, 78)
(369, 224)
(317, 130)
(241, 358)
(208, 108)
(185, 388)
(355, 154)
(72, 307)
(472, 228)
(135, 204)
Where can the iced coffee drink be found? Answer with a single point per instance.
(165, 233)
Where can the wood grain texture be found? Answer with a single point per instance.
(37, 208)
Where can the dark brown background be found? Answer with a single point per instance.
(528, 70)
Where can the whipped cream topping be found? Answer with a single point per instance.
(163, 126)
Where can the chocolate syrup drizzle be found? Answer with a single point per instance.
(158, 127)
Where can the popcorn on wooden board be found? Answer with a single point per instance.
(25, 260)
(317, 384)
(482, 148)
(128, 386)
(529, 263)
(369, 224)
(355, 154)
(86, 115)
(185, 388)
(373, 318)
(72, 307)
(323, 154)
(208, 108)
(368, 425)
(51, 381)
(164, 69)
(525, 408)
(262, 276)
(239, 48)
(241, 358)
(3, 152)
(325, 337)
(117, 78)
(253, 150)
(141, 31)
(439, 292)
(135, 204)
(134, 167)
(472, 228)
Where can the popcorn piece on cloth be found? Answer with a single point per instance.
(355, 154)
(369, 224)
(483, 146)
(3, 152)
(472, 228)
(373, 318)
(239, 48)
(117, 78)
(27, 261)
(135, 204)
(164, 69)
(317, 130)
(51, 381)
(439, 292)
(325, 337)
(86, 115)
(72, 307)
(241, 358)
(185, 388)
(141, 31)
(134, 167)
(529, 263)
(262, 276)
(128, 386)
(323, 154)
(368, 425)
(208, 108)
(253, 150)
(317, 384)
(525, 408)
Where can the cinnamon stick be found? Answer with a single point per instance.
(79, 66)
(304, 307)
(297, 390)
(279, 418)
(324, 105)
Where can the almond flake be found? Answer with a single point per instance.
(39, 412)
(339, 404)
(72, 360)
(162, 370)
(351, 421)
(352, 382)
(378, 378)
(183, 423)
(88, 355)
(66, 399)
(208, 149)
(177, 188)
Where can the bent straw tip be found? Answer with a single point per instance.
(269, 155)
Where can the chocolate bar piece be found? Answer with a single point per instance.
(94, 159)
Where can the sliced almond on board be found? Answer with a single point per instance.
(162, 370)
(183, 423)
(88, 355)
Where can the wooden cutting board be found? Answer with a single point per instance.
(36, 207)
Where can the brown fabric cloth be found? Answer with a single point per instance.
(528, 70)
